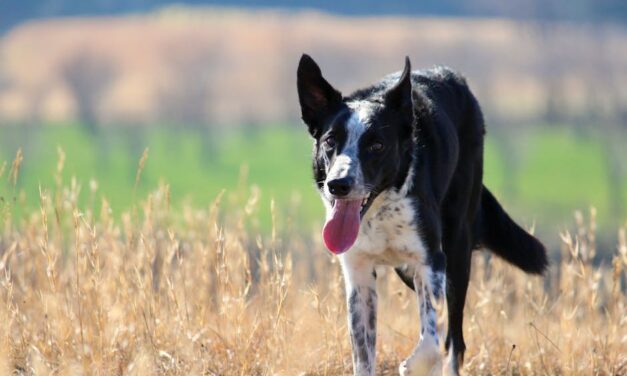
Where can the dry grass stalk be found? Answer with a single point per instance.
(15, 167)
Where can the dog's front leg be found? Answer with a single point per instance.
(360, 279)
(430, 285)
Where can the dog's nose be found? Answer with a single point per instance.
(340, 187)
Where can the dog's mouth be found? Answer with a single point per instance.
(365, 203)
(342, 227)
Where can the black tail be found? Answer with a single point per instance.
(500, 234)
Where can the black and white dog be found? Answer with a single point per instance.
(399, 167)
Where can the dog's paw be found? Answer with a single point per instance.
(424, 361)
(451, 365)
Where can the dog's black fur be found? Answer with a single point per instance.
(432, 119)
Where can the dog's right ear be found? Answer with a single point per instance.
(318, 99)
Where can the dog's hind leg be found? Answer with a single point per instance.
(360, 279)
(458, 276)
(430, 286)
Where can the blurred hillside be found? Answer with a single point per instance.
(217, 66)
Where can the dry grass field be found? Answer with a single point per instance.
(197, 291)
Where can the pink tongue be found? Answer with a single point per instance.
(341, 229)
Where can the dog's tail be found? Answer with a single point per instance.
(500, 234)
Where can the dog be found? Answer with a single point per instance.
(399, 167)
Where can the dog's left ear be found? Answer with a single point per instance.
(399, 96)
(318, 99)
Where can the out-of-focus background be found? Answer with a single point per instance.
(209, 89)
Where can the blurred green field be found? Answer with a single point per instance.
(556, 171)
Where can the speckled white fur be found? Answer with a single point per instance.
(389, 232)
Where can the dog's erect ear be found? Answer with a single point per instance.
(400, 95)
(317, 97)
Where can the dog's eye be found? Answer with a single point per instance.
(329, 143)
(376, 147)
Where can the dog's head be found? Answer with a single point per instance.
(362, 145)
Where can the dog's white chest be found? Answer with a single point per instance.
(389, 232)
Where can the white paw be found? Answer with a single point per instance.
(424, 361)
(450, 365)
